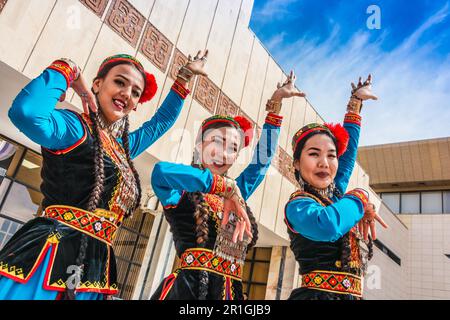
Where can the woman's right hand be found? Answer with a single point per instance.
(236, 204)
(83, 90)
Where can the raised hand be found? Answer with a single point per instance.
(83, 90)
(197, 64)
(287, 89)
(363, 91)
(367, 223)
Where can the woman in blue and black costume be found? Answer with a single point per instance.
(328, 226)
(90, 184)
(211, 223)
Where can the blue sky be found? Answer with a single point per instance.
(328, 44)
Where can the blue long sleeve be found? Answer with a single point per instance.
(319, 223)
(33, 113)
(348, 159)
(249, 180)
(170, 180)
(157, 126)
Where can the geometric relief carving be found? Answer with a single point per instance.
(124, 19)
(97, 6)
(284, 165)
(2, 4)
(179, 60)
(156, 47)
(206, 93)
(226, 106)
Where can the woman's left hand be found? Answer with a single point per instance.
(364, 90)
(83, 90)
(367, 223)
(287, 89)
(197, 64)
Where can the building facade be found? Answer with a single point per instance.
(242, 76)
(413, 180)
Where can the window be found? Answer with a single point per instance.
(129, 247)
(410, 203)
(256, 273)
(22, 203)
(447, 202)
(392, 200)
(432, 202)
(7, 229)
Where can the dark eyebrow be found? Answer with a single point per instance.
(313, 148)
(137, 87)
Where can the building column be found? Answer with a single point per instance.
(281, 274)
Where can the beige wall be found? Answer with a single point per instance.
(429, 241)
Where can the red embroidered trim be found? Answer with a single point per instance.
(65, 70)
(354, 118)
(332, 281)
(93, 224)
(180, 90)
(204, 259)
(218, 185)
(360, 194)
(274, 119)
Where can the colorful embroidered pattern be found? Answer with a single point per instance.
(218, 185)
(220, 118)
(65, 70)
(94, 224)
(336, 282)
(300, 134)
(204, 259)
(354, 118)
(180, 90)
(125, 192)
(274, 119)
(359, 194)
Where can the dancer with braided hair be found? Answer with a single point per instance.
(327, 227)
(90, 184)
(212, 225)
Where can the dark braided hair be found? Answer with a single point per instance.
(346, 246)
(126, 145)
(99, 174)
(201, 216)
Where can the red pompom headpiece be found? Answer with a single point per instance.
(150, 88)
(341, 135)
(247, 128)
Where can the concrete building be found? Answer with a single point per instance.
(413, 180)
(242, 76)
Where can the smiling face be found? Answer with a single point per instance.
(318, 162)
(119, 91)
(220, 149)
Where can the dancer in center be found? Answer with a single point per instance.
(211, 223)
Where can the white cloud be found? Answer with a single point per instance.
(413, 88)
(274, 9)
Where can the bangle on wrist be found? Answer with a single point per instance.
(354, 105)
(185, 74)
(273, 106)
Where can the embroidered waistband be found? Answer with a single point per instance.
(204, 259)
(333, 281)
(100, 224)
